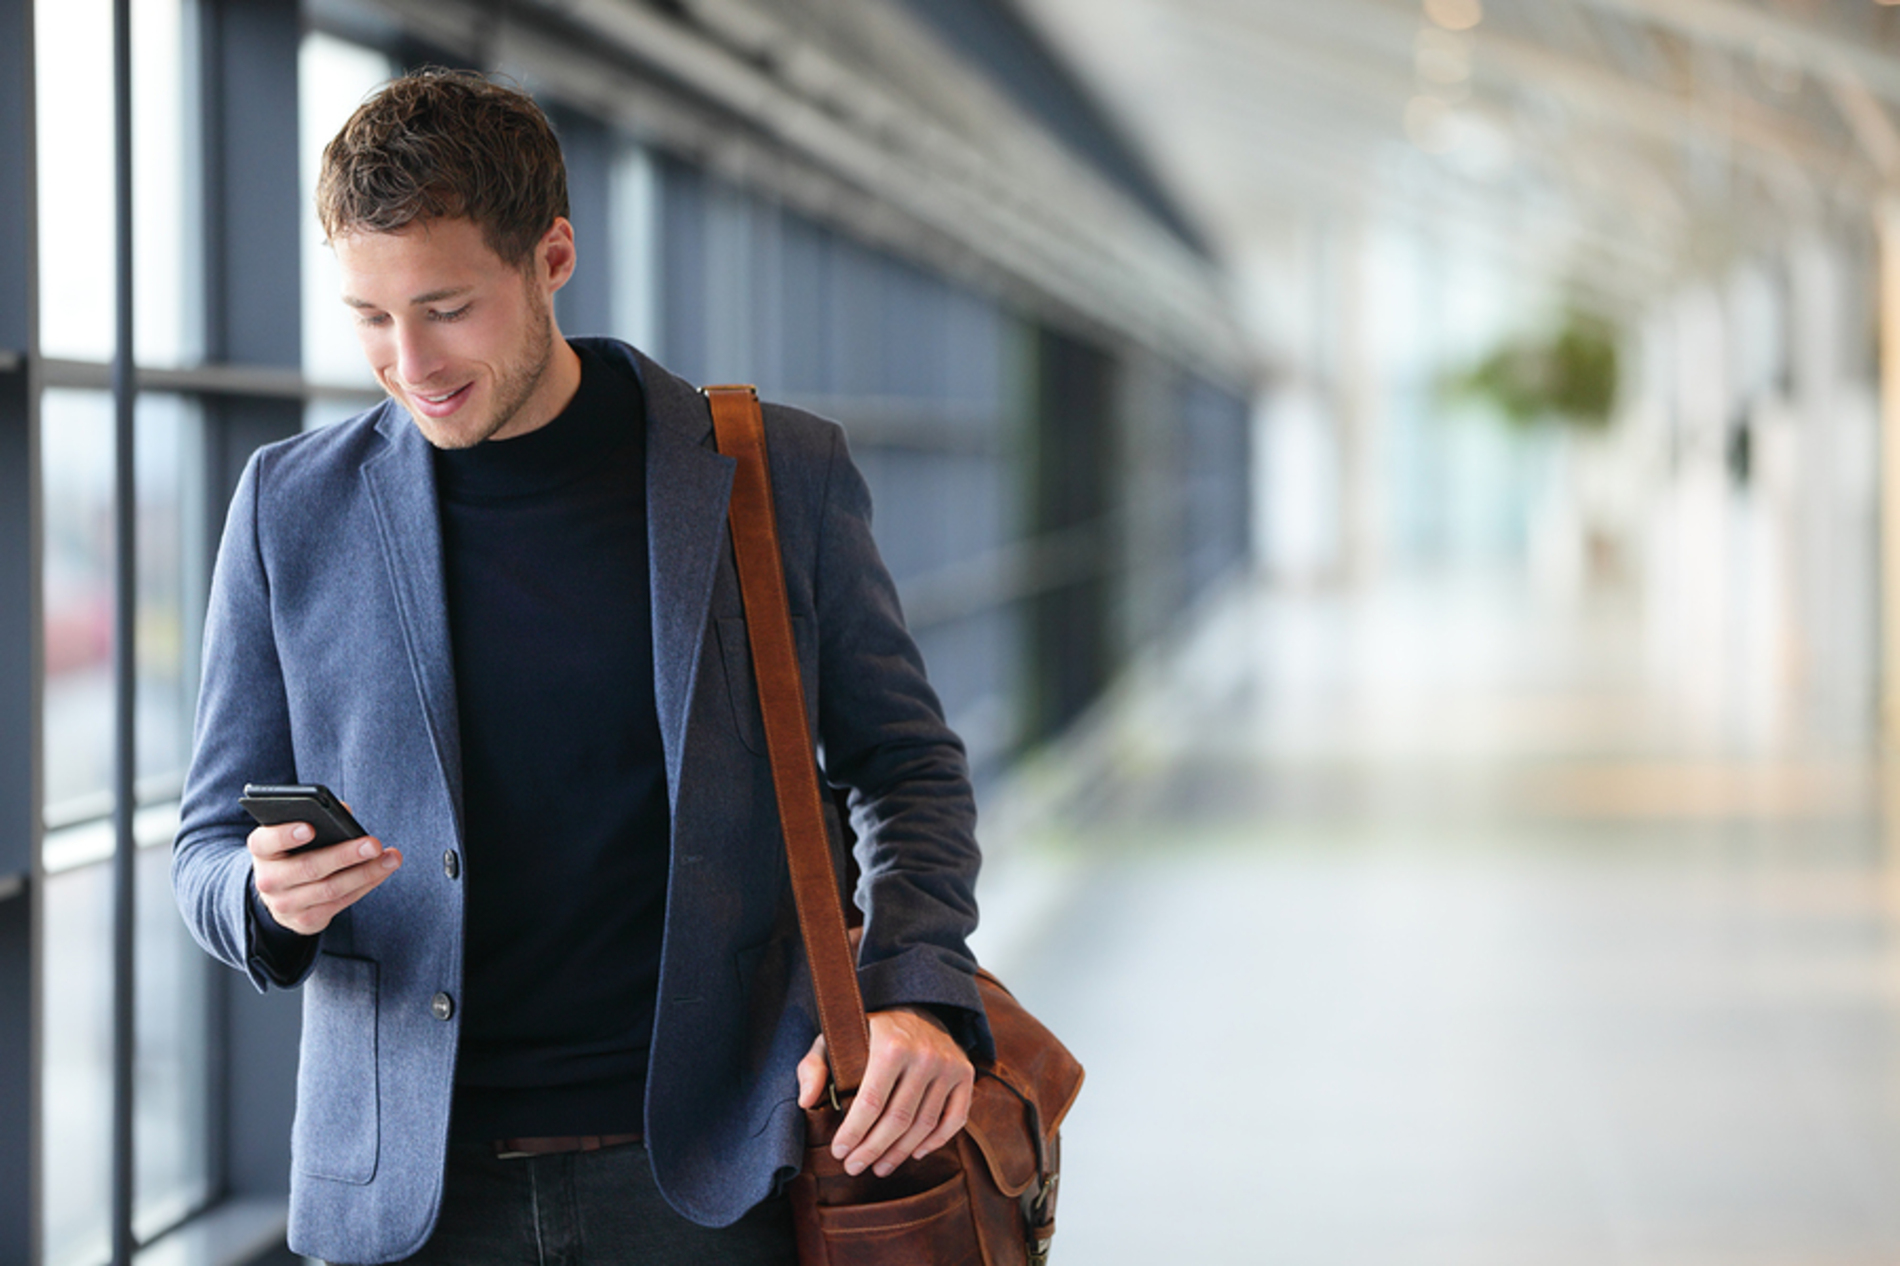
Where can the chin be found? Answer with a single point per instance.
(451, 433)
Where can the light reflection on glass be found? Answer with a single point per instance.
(74, 101)
(167, 325)
(76, 1133)
(171, 584)
(76, 475)
(333, 77)
(73, 52)
(76, 467)
(171, 1128)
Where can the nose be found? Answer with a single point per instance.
(418, 359)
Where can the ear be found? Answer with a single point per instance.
(554, 254)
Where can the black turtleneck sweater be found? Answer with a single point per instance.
(564, 786)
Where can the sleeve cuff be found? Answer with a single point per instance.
(949, 994)
(283, 957)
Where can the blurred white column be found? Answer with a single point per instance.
(1888, 220)
(1357, 397)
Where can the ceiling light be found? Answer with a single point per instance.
(1457, 15)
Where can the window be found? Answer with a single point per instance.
(333, 77)
(173, 1164)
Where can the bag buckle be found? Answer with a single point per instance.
(1044, 1198)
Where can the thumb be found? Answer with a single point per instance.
(812, 1072)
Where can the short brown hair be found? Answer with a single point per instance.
(445, 144)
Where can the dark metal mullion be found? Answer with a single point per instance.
(124, 663)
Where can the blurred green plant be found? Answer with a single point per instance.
(1570, 378)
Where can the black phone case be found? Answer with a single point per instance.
(274, 806)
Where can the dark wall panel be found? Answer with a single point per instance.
(585, 305)
(16, 1078)
(1071, 642)
(253, 207)
(18, 606)
(1218, 483)
(15, 211)
(17, 613)
(19, 1035)
(683, 270)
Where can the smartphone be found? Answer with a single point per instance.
(274, 805)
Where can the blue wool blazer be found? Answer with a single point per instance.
(327, 660)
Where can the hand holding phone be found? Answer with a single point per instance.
(273, 804)
(310, 858)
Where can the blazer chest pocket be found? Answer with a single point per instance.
(735, 652)
(335, 1133)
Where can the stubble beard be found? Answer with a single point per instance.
(518, 382)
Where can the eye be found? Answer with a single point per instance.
(455, 315)
(372, 319)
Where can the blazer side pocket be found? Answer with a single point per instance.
(337, 1129)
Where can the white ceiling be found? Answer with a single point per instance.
(1623, 140)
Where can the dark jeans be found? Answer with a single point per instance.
(586, 1209)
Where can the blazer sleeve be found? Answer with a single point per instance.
(885, 740)
(241, 734)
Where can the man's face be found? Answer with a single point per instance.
(463, 340)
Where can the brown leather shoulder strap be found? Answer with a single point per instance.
(739, 429)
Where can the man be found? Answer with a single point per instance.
(556, 1001)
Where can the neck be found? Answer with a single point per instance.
(560, 379)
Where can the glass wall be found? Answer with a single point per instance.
(173, 1167)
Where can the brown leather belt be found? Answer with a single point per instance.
(518, 1149)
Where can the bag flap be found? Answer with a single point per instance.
(999, 1125)
(1032, 1084)
(1029, 1058)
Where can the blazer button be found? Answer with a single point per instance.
(451, 864)
(442, 1006)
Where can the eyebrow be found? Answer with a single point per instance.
(434, 296)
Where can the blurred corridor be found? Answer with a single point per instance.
(1434, 926)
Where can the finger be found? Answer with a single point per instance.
(275, 841)
(867, 1108)
(956, 1115)
(308, 908)
(311, 907)
(892, 1124)
(812, 1074)
(929, 1112)
(344, 885)
(280, 874)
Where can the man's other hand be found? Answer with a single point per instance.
(915, 1096)
(304, 892)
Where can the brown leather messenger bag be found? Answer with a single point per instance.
(988, 1198)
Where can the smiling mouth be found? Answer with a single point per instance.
(441, 402)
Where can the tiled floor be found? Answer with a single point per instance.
(1429, 927)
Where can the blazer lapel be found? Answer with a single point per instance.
(401, 483)
(688, 485)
